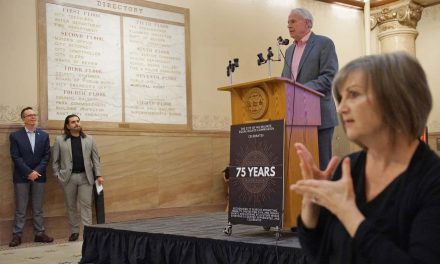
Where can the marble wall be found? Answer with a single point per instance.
(428, 53)
(219, 31)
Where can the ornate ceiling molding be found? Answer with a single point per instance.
(359, 4)
(407, 14)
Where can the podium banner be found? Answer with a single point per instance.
(256, 182)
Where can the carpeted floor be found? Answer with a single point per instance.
(59, 252)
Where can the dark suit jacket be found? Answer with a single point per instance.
(317, 68)
(24, 160)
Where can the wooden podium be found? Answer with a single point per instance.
(274, 99)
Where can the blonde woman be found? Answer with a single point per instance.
(381, 204)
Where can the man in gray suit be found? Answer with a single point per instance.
(76, 164)
(311, 60)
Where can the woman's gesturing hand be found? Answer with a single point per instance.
(337, 196)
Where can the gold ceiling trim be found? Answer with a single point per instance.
(359, 4)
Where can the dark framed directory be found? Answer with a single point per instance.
(116, 63)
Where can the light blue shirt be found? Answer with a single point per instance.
(31, 136)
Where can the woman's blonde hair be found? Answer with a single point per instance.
(400, 88)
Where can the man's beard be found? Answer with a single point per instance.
(79, 130)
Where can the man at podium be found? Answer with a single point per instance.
(311, 60)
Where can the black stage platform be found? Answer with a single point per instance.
(186, 239)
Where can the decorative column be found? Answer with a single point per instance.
(397, 24)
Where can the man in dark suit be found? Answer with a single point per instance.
(30, 153)
(311, 60)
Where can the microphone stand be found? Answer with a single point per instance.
(268, 60)
(269, 65)
(231, 68)
(279, 51)
(230, 78)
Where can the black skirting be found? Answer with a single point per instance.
(193, 239)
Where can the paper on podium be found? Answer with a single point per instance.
(99, 187)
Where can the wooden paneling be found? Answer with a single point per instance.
(144, 172)
(432, 141)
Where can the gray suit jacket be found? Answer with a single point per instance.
(317, 68)
(62, 159)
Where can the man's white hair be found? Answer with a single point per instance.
(304, 13)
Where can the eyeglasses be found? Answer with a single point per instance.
(30, 115)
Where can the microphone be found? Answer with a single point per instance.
(236, 62)
(269, 53)
(282, 41)
(261, 59)
(232, 64)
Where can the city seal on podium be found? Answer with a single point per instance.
(256, 102)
